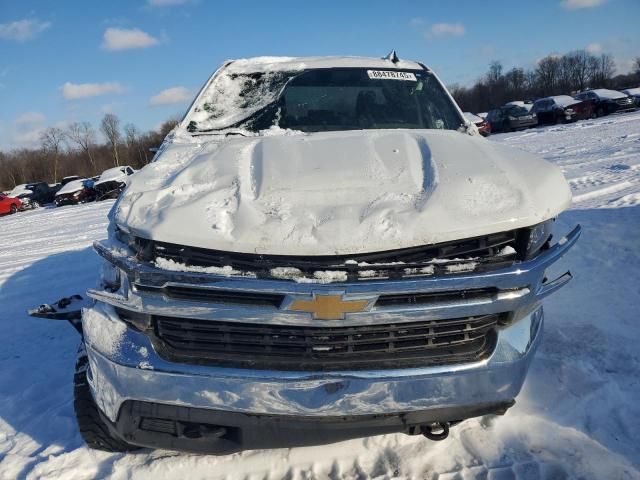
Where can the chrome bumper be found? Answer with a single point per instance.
(134, 371)
(125, 366)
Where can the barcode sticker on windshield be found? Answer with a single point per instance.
(391, 75)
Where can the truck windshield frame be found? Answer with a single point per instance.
(339, 99)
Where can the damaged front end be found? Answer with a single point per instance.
(219, 343)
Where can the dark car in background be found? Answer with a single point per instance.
(113, 181)
(9, 204)
(634, 93)
(511, 117)
(561, 109)
(481, 124)
(34, 194)
(607, 101)
(76, 191)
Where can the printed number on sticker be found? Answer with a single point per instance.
(391, 75)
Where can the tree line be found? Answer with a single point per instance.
(553, 75)
(77, 150)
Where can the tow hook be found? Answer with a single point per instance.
(435, 431)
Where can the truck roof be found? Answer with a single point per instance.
(301, 63)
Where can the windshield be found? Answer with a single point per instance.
(517, 111)
(330, 100)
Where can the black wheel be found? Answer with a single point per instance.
(13, 209)
(35, 204)
(600, 112)
(92, 429)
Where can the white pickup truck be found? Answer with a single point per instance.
(323, 248)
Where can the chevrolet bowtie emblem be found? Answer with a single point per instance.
(329, 307)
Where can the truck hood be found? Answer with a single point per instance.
(338, 192)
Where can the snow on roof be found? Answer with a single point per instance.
(605, 93)
(632, 91)
(72, 186)
(261, 64)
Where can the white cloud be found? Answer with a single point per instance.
(165, 3)
(74, 91)
(417, 22)
(171, 95)
(447, 29)
(30, 118)
(22, 30)
(577, 4)
(624, 65)
(594, 48)
(125, 39)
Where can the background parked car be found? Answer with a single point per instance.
(33, 194)
(113, 181)
(511, 117)
(607, 101)
(562, 108)
(522, 103)
(76, 191)
(9, 204)
(483, 126)
(634, 93)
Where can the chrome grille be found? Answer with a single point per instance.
(283, 347)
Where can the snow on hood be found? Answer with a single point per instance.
(609, 94)
(19, 190)
(72, 186)
(112, 174)
(565, 100)
(338, 192)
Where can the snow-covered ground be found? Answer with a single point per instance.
(578, 415)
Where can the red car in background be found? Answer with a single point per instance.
(9, 204)
(483, 126)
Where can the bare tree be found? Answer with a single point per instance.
(548, 73)
(132, 138)
(52, 139)
(603, 68)
(110, 127)
(83, 135)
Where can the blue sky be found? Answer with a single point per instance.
(143, 59)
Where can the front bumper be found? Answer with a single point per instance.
(62, 200)
(125, 367)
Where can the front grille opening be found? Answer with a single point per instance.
(487, 252)
(235, 297)
(283, 347)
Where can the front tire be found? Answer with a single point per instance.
(92, 429)
(13, 209)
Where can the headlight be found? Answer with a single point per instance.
(77, 194)
(538, 236)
